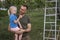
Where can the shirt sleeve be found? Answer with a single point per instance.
(29, 20)
(13, 18)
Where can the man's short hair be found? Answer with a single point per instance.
(25, 6)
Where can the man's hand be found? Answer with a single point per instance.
(20, 31)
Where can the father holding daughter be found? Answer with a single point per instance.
(21, 31)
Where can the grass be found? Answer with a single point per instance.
(37, 26)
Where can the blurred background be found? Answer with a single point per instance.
(35, 11)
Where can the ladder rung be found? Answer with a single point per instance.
(58, 7)
(50, 22)
(49, 30)
(58, 13)
(58, 19)
(50, 14)
(49, 38)
(51, 8)
(56, 25)
(51, 1)
(58, 30)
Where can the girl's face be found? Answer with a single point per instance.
(14, 10)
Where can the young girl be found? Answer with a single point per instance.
(14, 21)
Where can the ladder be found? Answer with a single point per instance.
(58, 19)
(50, 21)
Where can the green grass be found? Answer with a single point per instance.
(37, 26)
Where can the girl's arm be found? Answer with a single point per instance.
(20, 25)
(15, 21)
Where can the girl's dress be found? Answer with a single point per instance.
(13, 26)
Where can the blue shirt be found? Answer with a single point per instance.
(12, 18)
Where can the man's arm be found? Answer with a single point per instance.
(28, 27)
(20, 25)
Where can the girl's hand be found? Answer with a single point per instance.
(20, 16)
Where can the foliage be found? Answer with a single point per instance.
(37, 26)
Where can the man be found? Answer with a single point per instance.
(25, 22)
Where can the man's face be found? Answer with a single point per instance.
(23, 10)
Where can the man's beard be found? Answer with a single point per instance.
(22, 13)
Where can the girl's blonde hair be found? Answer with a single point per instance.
(9, 10)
